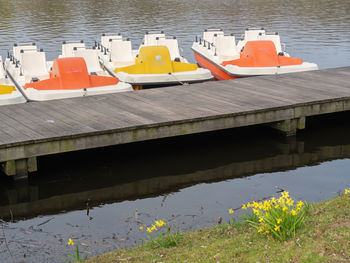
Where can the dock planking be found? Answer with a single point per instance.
(40, 128)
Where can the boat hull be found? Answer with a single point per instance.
(218, 73)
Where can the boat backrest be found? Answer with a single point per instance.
(151, 39)
(91, 59)
(33, 63)
(226, 47)
(275, 38)
(121, 51)
(107, 40)
(210, 35)
(2, 71)
(253, 34)
(17, 50)
(68, 49)
(172, 45)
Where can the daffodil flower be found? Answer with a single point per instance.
(279, 220)
(231, 211)
(70, 242)
(244, 207)
(347, 191)
(277, 228)
(141, 227)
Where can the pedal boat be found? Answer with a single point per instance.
(68, 76)
(8, 92)
(258, 53)
(156, 63)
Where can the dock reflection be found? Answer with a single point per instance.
(77, 181)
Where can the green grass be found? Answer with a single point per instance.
(325, 237)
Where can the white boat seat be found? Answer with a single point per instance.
(172, 45)
(107, 40)
(251, 35)
(91, 59)
(151, 39)
(17, 50)
(2, 71)
(68, 49)
(34, 64)
(121, 52)
(275, 39)
(209, 35)
(226, 47)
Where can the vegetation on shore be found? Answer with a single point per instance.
(324, 237)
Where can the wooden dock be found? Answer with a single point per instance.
(282, 101)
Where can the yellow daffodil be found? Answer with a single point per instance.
(347, 191)
(231, 211)
(290, 202)
(70, 242)
(277, 228)
(261, 219)
(300, 204)
(279, 220)
(284, 208)
(285, 194)
(159, 223)
(260, 230)
(149, 230)
(293, 212)
(154, 227)
(141, 227)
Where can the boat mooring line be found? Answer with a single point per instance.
(19, 87)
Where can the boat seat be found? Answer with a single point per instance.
(209, 35)
(17, 50)
(34, 65)
(91, 59)
(121, 53)
(275, 39)
(172, 45)
(68, 49)
(2, 71)
(253, 34)
(151, 39)
(106, 40)
(226, 47)
(250, 35)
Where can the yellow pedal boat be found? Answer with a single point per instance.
(157, 62)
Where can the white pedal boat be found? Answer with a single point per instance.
(157, 62)
(8, 92)
(258, 53)
(65, 77)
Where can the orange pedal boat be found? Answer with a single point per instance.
(258, 53)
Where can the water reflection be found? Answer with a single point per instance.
(91, 178)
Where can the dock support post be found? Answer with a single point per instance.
(289, 127)
(19, 168)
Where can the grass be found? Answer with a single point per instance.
(325, 237)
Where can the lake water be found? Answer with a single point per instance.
(100, 197)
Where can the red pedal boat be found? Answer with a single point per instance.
(258, 53)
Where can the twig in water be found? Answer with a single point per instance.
(43, 223)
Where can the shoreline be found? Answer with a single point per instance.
(325, 237)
